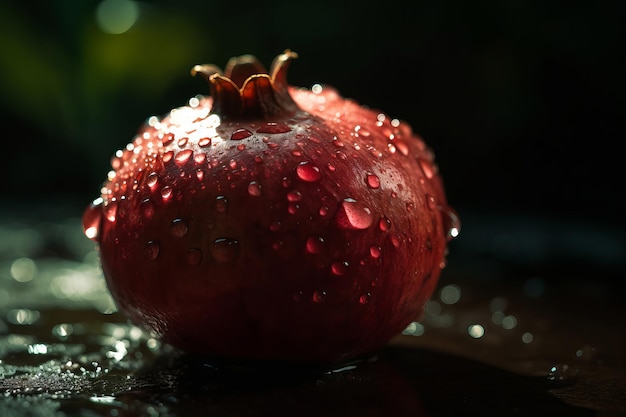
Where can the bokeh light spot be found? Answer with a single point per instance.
(116, 16)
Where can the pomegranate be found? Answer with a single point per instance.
(272, 222)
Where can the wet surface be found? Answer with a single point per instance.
(498, 338)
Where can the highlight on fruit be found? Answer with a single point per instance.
(267, 221)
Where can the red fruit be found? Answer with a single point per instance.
(272, 222)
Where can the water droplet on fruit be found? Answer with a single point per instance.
(221, 204)
(308, 172)
(110, 211)
(232, 164)
(147, 208)
(292, 208)
(375, 251)
(431, 202)
(152, 249)
(92, 218)
(365, 298)
(427, 168)
(182, 141)
(451, 222)
(240, 134)
(323, 211)
(273, 127)
(183, 156)
(275, 226)
(339, 268)
(204, 142)
(319, 296)
(194, 256)
(294, 196)
(395, 241)
(179, 228)
(384, 224)
(241, 147)
(372, 181)
(167, 156)
(402, 147)
(200, 174)
(224, 249)
(354, 215)
(152, 179)
(166, 193)
(254, 189)
(314, 244)
(167, 139)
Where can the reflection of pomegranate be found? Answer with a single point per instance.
(272, 222)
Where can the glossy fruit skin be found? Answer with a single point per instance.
(310, 233)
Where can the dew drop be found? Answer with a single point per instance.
(292, 208)
(354, 215)
(384, 224)
(221, 204)
(402, 147)
(314, 244)
(240, 134)
(183, 156)
(451, 223)
(200, 174)
(431, 202)
(92, 218)
(319, 296)
(182, 141)
(339, 268)
(323, 211)
(273, 127)
(224, 249)
(110, 211)
(152, 249)
(375, 251)
(167, 139)
(275, 226)
(254, 189)
(152, 180)
(365, 298)
(286, 182)
(294, 196)
(241, 147)
(147, 208)
(167, 156)
(308, 172)
(178, 228)
(204, 142)
(372, 181)
(427, 167)
(194, 256)
(166, 193)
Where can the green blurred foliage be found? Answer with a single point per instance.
(66, 78)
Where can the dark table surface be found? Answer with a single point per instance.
(525, 322)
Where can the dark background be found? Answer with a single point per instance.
(522, 101)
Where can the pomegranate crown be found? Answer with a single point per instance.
(245, 89)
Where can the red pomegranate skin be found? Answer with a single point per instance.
(272, 222)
